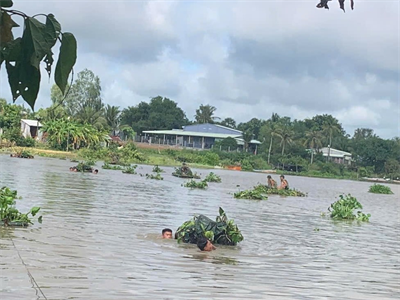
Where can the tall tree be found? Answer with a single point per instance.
(331, 127)
(313, 141)
(229, 122)
(205, 114)
(285, 132)
(247, 137)
(112, 115)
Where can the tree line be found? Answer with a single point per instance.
(82, 119)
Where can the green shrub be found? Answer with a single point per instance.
(246, 165)
(211, 159)
(380, 189)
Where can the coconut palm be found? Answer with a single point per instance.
(112, 114)
(273, 129)
(247, 137)
(285, 132)
(331, 127)
(313, 141)
(205, 114)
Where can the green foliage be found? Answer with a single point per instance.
(85, 166)
(9, 215)
(205, 114)
(344, 207)
(157, 169)
(227, 144)
(156, 177)
(281, 192)
(130, 170)
(192, 184)
(212, 178)
(223, 231)
(23, 55)
(159, 113)
(380, 189)
(211, 159)
(246, 165)
(107, 166)
(250, 194)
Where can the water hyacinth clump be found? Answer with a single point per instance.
(156, 177)
(281, 192)
(130, 170)
(9, 215)
(222, 231)
(157, 169)
(343, 209)
(250, 194)
(112, 167)
(380, 189)
(212, 177)
(192, 184)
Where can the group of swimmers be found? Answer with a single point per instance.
(203, 243)
(273, 185)
(75, 169)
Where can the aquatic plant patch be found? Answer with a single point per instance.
(281, 192)
(157, 169)
(380, 189)
(250, 194)
(212, 177)
(156, 177)
(222, 231)
(107, 166)
(343, 209)
(130, 170)
(196, 184)
(9, 215)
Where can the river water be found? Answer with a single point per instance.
(100, 239)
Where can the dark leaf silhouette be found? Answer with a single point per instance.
(324, 4)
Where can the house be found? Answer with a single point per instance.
(200, 136)
(337, 156)
(30, 128)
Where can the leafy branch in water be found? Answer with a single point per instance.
(196, 185)
(281, 192)
(324, 4)
(156, 177)
(9, 215)
(344, 207)
(380, 189)
(212, 178)
(157, 169)
(23, 55)
(130, 170)
(250, 194)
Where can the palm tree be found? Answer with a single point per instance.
(128, 132)
(273, 132)
(205, 114)
(285, 133)
(247, 137)
(313, 141)
(112, 115)
(331, 127)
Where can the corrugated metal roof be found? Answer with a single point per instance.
(334, 152)
(201, 134)
(33, 123)
(192, 133)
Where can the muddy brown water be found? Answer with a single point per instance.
(100, 239)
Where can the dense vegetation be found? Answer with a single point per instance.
(343, 209)
(250, 194)
(212, 177)
(221, 231)
(9, 215)
(192, 184)
(380, 189)
(83, 121)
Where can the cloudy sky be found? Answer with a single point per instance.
(246, 58)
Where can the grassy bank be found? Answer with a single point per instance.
(196, 159)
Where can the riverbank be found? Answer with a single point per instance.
(163, 157)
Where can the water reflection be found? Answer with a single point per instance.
(100, 239)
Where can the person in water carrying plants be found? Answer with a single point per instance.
(284, 184)
(185, 169)
(204, 244)
(271, 183)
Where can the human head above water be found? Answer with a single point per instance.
(269, 177)
(282, 177)
(167, 233)
(204, 244)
